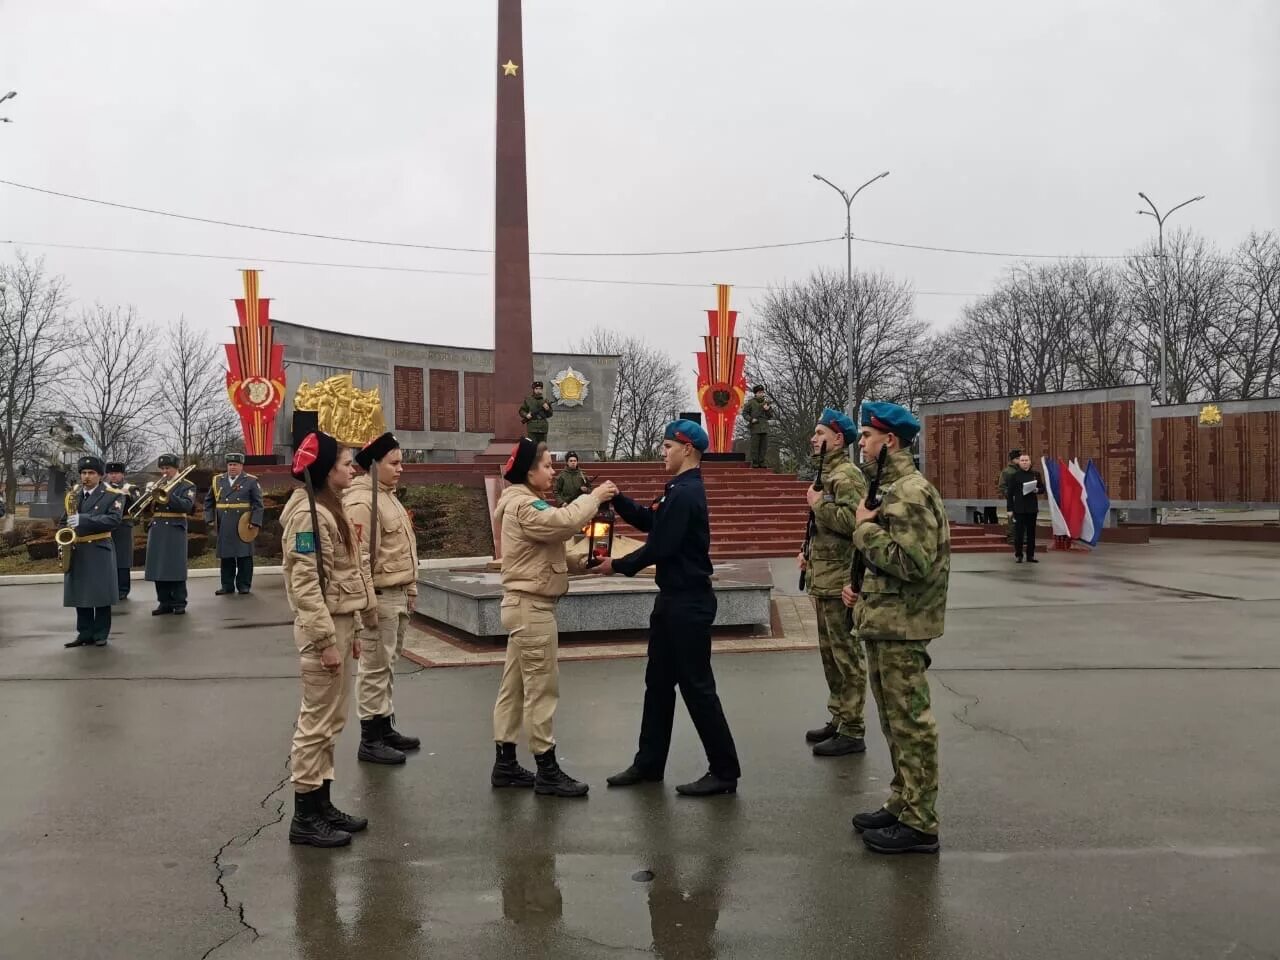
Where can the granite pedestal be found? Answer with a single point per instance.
(469, 599)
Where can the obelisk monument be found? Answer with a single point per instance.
(512, 314)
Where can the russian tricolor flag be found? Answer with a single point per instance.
(1078, 502)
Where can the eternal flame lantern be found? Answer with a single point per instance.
(600, 536)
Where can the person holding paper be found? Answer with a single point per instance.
(1025, 487)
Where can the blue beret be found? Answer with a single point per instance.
(890, 418)
(686, 431)
(839, 421)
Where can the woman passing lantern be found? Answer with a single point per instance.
(535, 573)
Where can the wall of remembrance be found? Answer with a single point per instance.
(437, 399)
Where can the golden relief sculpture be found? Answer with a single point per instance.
(1210, 416)
(1020, 409)
(348, 414)
(570, 387)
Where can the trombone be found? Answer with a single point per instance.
(157, 494)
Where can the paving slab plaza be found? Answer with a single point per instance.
(1110, 773)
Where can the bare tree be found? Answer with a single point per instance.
(648, 394)
(110, 391)
(1189, 290)
(1253, 331)
(193, 401)
(798, 345)
(32, 346)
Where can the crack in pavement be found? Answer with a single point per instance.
(222, 873)
(963, 715)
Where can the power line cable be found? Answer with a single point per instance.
(397, 269)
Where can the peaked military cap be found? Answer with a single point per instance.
(758, 388)
(167, 460)
(572, 455)
(891, 418)
(315, 457)
(115, 466)
(686, 431)
(839, 421)
(377, 449)
(235, 458)
(90, 463)
(518, 465)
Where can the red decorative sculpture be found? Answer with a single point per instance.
(722, 379)
(255, 370)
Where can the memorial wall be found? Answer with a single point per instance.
(1217, 453)
(965, 444)
(439, 400)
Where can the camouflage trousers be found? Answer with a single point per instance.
(896, 669)
(759, 449)
(1008, 528)
(844, 664)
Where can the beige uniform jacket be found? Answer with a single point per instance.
(534, 534)
(349, 588)
(397, 562)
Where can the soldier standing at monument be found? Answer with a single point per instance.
(830, 553)
(326, 577)
(679, 544)
(534, 414)
(1002, 485)
(385, 532)
(757, 412)
(122, 535)
(572, 483)
(899, 606)
(93, 510)
(535, 573)
(230, 496)
(167, 540)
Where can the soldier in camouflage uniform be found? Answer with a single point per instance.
(899, 606)
(1003, 486)
(757, 412)
(827, 566)
(534, 414)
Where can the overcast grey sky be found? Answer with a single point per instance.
(668, 124)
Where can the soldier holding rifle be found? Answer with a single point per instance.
(903, 546)
(832, 502)
(534, 414)
(757, 412)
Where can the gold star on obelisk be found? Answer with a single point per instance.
(509, 69)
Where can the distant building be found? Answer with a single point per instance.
(438, 399)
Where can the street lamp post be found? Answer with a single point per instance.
(1164, 286)
(848, 199)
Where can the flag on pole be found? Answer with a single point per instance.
(1053, 493)
(1099, 502)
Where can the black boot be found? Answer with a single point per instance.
(309, 826)
(554, 782)
(507, 772)
(336, 818)
(372, 748)
(394, 738)
(876, 820)
(839, 746)
(900, 838)
(818, 734)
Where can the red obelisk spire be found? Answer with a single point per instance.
(512, 314)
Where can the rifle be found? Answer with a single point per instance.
(858, 565)
(812, 524)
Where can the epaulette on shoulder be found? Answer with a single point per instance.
(250, 476)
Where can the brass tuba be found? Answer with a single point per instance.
(157, 495)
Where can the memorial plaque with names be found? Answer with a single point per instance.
(444, 400)
(409, 411)
(1237, 461)
(477, 389)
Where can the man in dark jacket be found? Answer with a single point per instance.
(1025, 487)
(679, 544)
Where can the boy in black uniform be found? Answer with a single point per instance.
(679, 543)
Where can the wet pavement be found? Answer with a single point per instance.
(1109, 788)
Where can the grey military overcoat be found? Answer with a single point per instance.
(167, 536)
(91, 581)
(224, 504)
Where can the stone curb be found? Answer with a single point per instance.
(26, 579)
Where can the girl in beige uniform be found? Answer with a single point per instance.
(535, 573)
(386, 534)
(328, 584)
